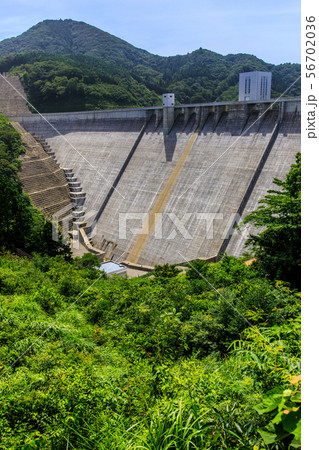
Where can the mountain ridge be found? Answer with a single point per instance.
(66, 65)
(70, 37)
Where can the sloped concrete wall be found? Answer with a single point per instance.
(12, 96)
(213, 181)
(278, 163)
(214, 175)
(96, 151)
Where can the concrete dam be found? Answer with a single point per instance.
(168, 184)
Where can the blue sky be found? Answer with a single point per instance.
(268, 29)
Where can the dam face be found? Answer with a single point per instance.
(173, 196)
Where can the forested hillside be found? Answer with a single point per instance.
(69, 65)
(78, 82)
(206, 359)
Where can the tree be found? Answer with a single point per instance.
(21, 224)
(89, 260)
(278, 246)
(166, 271)
(15, 216)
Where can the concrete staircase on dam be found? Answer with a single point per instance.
(41, 177)
(71, 212)
(191, 183)
(76, 194)
(12, 96)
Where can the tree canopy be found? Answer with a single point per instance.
(22, 225)
(278, 245)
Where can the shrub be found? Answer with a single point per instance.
(89, 260)
(282, 407)
(69, 286)
(49, 299)
(166, 271)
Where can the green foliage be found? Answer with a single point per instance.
(271, 353)
(49, 300)
(229, 271)
(144, 363)
(278, 246)
(166, 271)
(68, 66)
(177, 427)
(197, 269)
(91, 263)
(89, 260)
(22, 225)
(14, 205)
(285, 425)
(70, 287)
(70, 83)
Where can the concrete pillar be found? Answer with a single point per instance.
(168, 99)
(205, 110)
(198, 112)
(218, 111)
(282, 110)
(168, 119)
(168, 112)
(292, 107)
(188, 111)
(186, 116)
(298, 107)
(158, 117)
(237, 111)
(259, 107)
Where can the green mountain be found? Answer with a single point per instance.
(68, 37)
(68, 65)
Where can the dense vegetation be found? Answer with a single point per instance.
(278, 246)
(167, 362)
(68, 65)
(22, 225)
(66, 83)
(207, 359)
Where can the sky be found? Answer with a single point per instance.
(268, 29)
